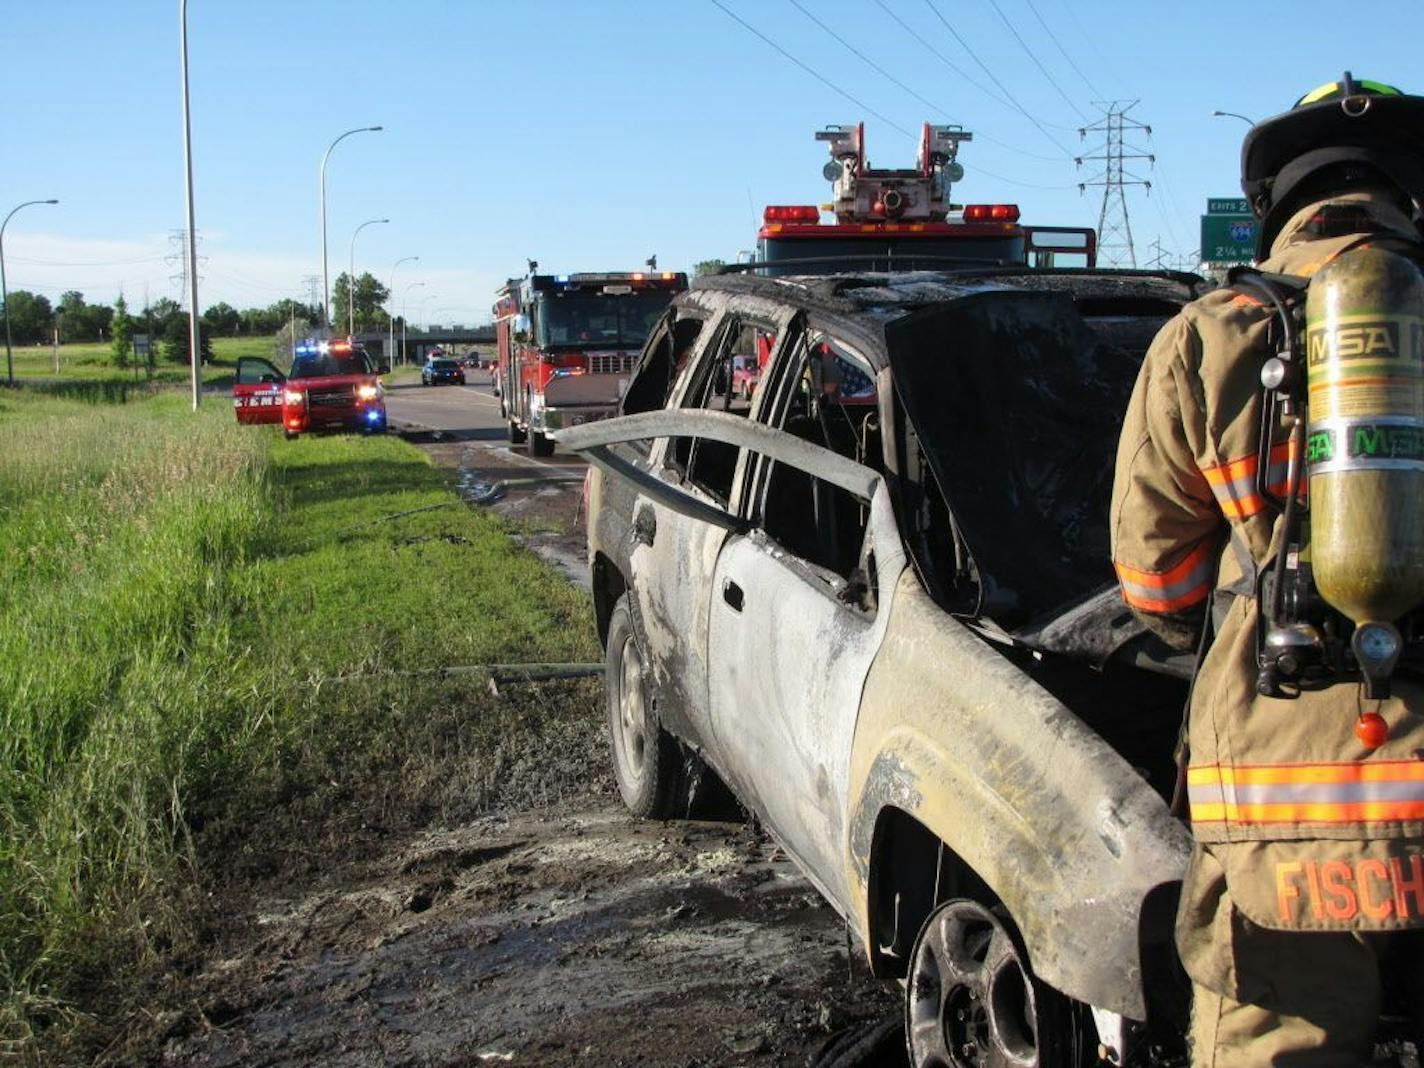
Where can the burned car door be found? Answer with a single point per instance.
(796, 619)
(884, 561)
(673, 553)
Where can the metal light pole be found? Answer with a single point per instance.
(325, 271)
(195, 365)
(351, 277)
(391, 319)
(1233, 115)
(4, 290)
(405, 308)
(420, 308)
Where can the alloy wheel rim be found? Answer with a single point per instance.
(971, 1001)
(632, 712)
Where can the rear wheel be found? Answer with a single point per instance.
(972, 1002)
(647, 762)
(540, 444)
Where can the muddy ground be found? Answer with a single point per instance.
(542, 932)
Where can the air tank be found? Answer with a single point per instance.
(1365, 433)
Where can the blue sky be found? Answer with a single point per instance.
(590, 135)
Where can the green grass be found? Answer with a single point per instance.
(93, 362)
(180, 599)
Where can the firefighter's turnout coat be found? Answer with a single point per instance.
(1299, 826)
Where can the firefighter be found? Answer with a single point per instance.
(1306, 883)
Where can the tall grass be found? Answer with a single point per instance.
(176, 594)
(122, 528)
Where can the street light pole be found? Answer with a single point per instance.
(405, 308)
(325, 271)
(1233, 115)
(4, 290)
(195, 365)
(391, 319)
(351, 277)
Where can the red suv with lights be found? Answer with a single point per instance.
(332, 384)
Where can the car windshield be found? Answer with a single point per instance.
(331, 363)
(583, 319)
(885, 253)
(1017, 402)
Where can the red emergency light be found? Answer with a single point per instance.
(793, 213)
(991, 213)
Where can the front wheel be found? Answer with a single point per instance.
(647, 763)
(540, 444)
(971, 1000)
(290, 435)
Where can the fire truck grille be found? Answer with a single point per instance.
(611, 363)
(339, 397)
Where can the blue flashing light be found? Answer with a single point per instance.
(308, 347)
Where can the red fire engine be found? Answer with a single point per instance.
(568, 344)
(889, 219)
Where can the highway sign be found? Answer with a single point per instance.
(1228, 239)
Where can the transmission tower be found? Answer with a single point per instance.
(1114, 153)
(179, 258)
(312, 284)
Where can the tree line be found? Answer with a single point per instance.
(34, 320)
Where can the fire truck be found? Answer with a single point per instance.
(568, 344)
(905, 219)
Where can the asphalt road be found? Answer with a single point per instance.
(467, 413)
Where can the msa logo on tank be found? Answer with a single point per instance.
(1369, 339)
(1371, 440)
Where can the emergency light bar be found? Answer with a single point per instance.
(800, 213)
(991, 213)
(314, 347)
(600, 277)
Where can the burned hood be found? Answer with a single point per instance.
(1017, 401)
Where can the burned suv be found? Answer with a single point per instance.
(875, 599)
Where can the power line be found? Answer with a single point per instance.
(993, 78)
(941, 56)
(1059, 45)
(1093, 44)
(809, 70)
(1029, 52)
(928, 103)
(89, 263)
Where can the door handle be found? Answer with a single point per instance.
(645, 526)
(732, 594)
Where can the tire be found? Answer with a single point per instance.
(540, 444)
(517, 434)
(972, 1001)
(647, 761)
(291, 435)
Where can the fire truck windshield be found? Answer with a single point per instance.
(331, 363)
(884, 252)
(578, 320)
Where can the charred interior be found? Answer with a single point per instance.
(1016, 400)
